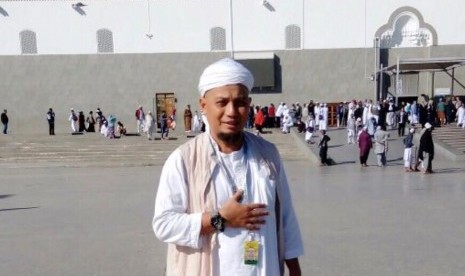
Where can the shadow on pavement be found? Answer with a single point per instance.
(14, 209)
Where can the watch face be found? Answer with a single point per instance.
(217, 222)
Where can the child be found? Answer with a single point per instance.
(408, 155)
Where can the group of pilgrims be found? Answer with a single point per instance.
(107, 126)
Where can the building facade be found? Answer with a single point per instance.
(117, 54)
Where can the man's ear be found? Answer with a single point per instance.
(202, 104)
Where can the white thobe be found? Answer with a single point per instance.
(460, 115)
(73, 123)
(287, 124)
(196, 127)
(323, 123)
(172, 224)
(316, 110)
(309, 134)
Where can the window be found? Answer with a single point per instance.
(104, 41)
(28, 42)
(293, 37)
(217, 39)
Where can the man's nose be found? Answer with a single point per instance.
(231, 108)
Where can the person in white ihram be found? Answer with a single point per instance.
(223, 203)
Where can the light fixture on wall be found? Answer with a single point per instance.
(3, 11)
(264, 2)
(149, 35)
(78, 5)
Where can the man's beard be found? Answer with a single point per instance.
(231, 138)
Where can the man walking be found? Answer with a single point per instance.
(381, 146)
(364, 144)
(188, 119)
(223, 203)
(140, 119)
(4, 119)
(51, 121)
(427, 147)
(73, 120)
(402, 118)
(323, 145)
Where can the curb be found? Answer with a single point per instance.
(441, 148)
(303, 146)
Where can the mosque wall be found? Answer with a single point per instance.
(118, 83)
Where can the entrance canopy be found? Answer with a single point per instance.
(418, 65)
(409, 66)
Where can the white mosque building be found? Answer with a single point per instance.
(117, 54)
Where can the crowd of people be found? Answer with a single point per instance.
(107, 126)
(367, 123)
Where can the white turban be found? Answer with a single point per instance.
(225, 72)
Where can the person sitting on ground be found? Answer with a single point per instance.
(111, 126)
(120, 129)
(300, 125)
(309, 129)
(287, 124)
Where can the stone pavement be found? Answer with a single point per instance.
(82, 205)
(94, 150)
(450, 139)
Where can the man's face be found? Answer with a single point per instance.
(226, 108)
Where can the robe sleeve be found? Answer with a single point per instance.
(171, 223)
(292, 239)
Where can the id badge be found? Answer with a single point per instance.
(251, 249)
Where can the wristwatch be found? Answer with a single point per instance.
(218, 222)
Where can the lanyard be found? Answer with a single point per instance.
(240, 178)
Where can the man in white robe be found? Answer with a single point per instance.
(197, 121)
(323, 123)
(287, 124)
(279, 115)
(461, 116)
(309, 129)
(225, 191)
(73, 120)
(317, 113)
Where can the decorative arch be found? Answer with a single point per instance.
(293, 36)
(407, 28)
(217, 39)
(28, 41)
(104, 41)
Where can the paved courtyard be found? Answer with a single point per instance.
(82, 205)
